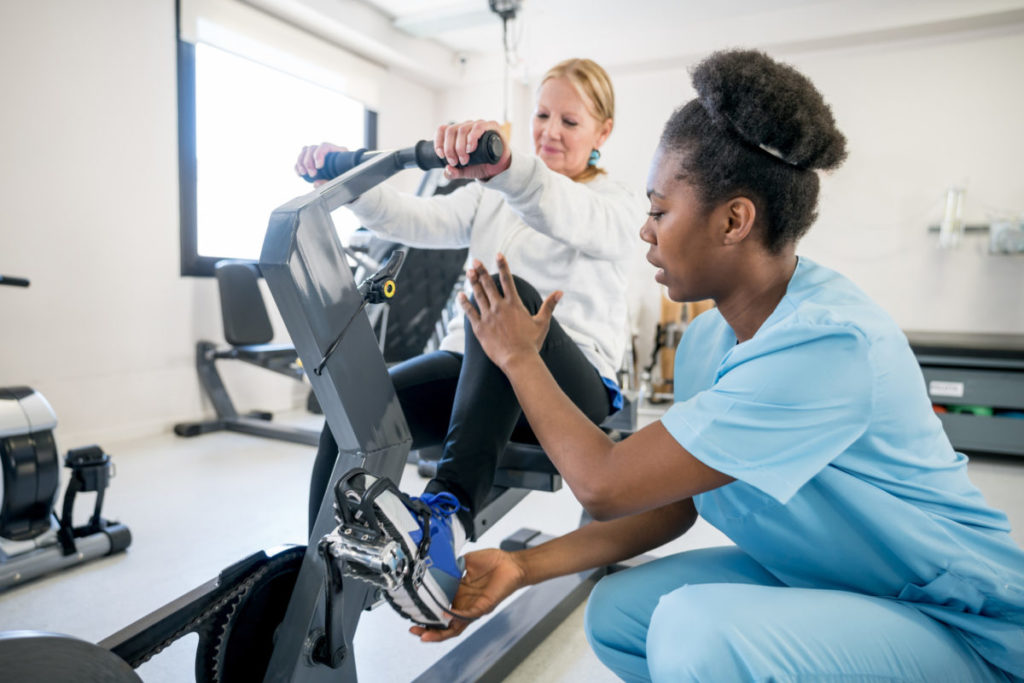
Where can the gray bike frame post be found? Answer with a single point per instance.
(309, 277)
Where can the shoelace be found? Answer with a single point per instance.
(442, 504)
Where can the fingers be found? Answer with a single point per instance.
(448, 150)
(456, 142)
(508, 284)
(311, 158)
(461, 141)
(436, 635)
(483, 301)
(484, 289)
(439, 141)
(469, 309)
(320, 153)
(305, 165)
(547, 309)
(476, 131)
(487, 295)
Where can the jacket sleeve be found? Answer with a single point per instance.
(433, 222)
(600, 219)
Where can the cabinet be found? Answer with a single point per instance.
(976, 374)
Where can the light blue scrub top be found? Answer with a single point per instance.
(844, 477)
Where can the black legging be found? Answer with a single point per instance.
(467, 403)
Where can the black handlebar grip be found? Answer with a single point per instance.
(336, 163)
(13, 281)
(489, 149)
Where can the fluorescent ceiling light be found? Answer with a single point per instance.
(434, 22)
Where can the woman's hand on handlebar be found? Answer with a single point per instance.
(311, 159)
(455, 143)
(491, 576)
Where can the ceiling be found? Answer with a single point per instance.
(452, 42)
(620, 33)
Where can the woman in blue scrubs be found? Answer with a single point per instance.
(801, 429)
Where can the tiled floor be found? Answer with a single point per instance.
(195, 506)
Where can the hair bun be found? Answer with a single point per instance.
(770, 105)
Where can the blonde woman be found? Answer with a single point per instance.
(569, 227)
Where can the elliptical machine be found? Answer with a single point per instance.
(33, 540)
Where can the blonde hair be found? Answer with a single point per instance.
(595, 87)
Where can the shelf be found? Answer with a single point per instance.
(973, 433)
(975, 370)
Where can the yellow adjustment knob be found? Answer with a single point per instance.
(389, 288)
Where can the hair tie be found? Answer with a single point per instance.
(777, 154)
(774, 151)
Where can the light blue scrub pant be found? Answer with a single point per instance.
(718, 616)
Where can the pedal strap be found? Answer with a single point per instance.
(423, 511)
(359, 514)
(372, 493)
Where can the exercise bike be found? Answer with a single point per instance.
(290, 614)
(34, 541)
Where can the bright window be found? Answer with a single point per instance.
(248, 123)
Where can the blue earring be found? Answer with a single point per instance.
(594, 157)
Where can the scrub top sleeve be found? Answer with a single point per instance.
(781, 408)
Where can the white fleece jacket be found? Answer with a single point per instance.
(555, 233)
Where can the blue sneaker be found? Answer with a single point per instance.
(420, 574)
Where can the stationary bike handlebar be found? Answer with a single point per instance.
(13, 281)
(421, 155)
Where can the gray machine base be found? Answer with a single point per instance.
(23, 567)
(228, 419)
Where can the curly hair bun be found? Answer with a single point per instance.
(770, 105)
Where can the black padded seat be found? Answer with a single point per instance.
(242, 310)
(526, 456)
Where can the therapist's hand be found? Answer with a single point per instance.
(500, 321)
(491, 576)
(456, 142)
(311, 159)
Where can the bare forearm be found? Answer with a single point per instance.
(562, 429)
(600, 544)
(612, 479)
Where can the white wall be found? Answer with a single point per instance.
(89, 212)
(90, 215)
(919, 115)
(408, 113)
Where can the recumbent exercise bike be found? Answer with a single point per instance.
(290, 614)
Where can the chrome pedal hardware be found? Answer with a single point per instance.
(377, 561)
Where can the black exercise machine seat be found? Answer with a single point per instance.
(530, 457)
(247, 326)
(248, 331)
